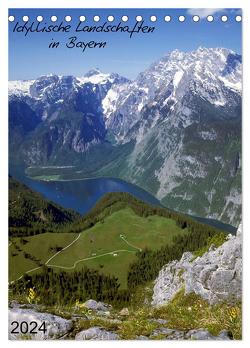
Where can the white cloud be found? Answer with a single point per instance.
(204, 12)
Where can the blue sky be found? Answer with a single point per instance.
(30, 57)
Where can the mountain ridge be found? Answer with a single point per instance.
(30, 213)
(184, 102)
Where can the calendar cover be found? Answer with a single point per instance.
(125, 174)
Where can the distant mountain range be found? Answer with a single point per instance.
(175, 130)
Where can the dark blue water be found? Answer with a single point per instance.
(82, 195)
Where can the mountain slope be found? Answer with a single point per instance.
(214, 75)
(30, 213)
(115, 232)
(187, 128)
(69, 114)
(190, 169)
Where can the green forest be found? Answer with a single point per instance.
(30, 213)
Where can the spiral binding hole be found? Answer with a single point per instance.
(210, 18)
(53, 18)
(196, 18)
(125, 18)
(82, 18)
(67, 18)
(139, 18)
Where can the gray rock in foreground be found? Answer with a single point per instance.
(202, 334)
(97, 306)
(59, 328)
(169, 334)
(199, 334)
(96, 333)
(141, 338)
(55, 326)
(215, 276)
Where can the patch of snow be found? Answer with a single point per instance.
(20, 88)
(219, 102)
(109, 102)
(218, 158)
(208, 135)
(140, 106)
(177, 78)
(237, 86)
(99, 78)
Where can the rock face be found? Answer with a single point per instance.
(199, 334)
(124, 312)
(202, 334)
(56, 326)
(97, 306)
(215, 276)
(96, 333)
(169, 281)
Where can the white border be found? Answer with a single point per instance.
(3, 148)
(125, 4)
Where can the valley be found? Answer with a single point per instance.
(66, 186)
(110, 246)
(113, 254)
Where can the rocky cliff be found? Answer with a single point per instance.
(216, 276)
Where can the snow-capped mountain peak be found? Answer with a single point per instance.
(210, 73)
(213, 74)
(20, 87)
(93, 71)
(53, 88)
(96, 76)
